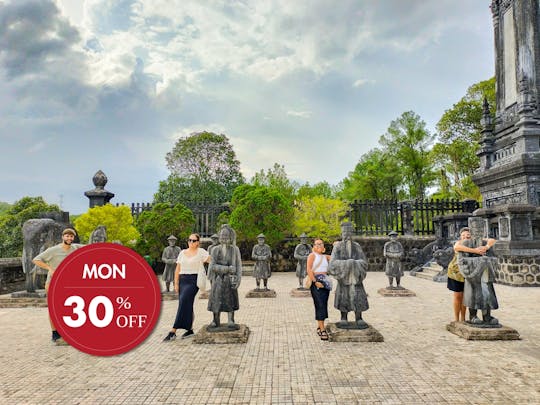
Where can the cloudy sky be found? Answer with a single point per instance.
(310, 84)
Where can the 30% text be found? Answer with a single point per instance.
(79, 316)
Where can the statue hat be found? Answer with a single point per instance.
(259, 236)
(303, 235)
(172, 237)
(392, 233)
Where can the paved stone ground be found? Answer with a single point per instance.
(284, 362)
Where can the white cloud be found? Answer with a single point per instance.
(362, 82)
(299, 114)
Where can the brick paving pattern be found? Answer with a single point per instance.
(284, 362)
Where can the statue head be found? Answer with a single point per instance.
(346, 230)
(260, 239)
(99, 235)
(303, 238)
(393, 235)
(172, 240)
(227, 236)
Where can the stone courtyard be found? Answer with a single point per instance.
(284, 362)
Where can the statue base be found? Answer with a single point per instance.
(169, 296)
(222, 335)
(26, 294)
(261, 293)
(300, 292)
(203, 295)
(396, 292)
(369, 334)
(466, 331)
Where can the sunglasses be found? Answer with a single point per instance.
(193, 240)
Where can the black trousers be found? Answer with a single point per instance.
(186, 297)
(320, 299)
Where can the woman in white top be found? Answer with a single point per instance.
(317, 267)
(185, 284)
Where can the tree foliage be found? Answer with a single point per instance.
(408, 141)
(117, 220)
(4, 206)
(319, 216)
(322, 188)
(375, 177)
(11, 222)
(256, 209)
(276, 178)
(202, 165)
(459, 133)
(157, 224)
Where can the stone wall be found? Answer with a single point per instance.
(283, 254)
(519, 271)
(11, 274)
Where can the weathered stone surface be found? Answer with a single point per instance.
(261, 293)
(402, 292)
(300, 293)
(469, 332)
(240, 335)
(370, 334)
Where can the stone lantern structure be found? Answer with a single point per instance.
(99, 196)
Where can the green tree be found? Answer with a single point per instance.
(321, 188)
(11, 222)
(276, 178)
(408, 142)
(375, 177)
(157, 224)
(203, 165)
(319, 216)
(117, 220)
(4, 206)
(459, 133)
(256, 209)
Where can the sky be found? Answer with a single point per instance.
(111, 85)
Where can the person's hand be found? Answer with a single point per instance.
(176, 288)
(318, 284)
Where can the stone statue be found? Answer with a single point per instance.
(393, 252)
(169, 256)
(38, 235)
(98, 235)
(262, 254)
(225, 273)
(215, 242)
(479, 274)
(301, 253)
(348, 264)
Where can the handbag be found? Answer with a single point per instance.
(201, 277)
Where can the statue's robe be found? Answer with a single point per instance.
(223, 295)
(261, 255)
(301, 253)
(349, 269)
(393, 251)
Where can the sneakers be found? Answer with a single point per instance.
(55, 336)
(170, 336)
(187, 334)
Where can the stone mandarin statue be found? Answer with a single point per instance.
(98, 235)
(479, 274)
(225, 273)
(348, 265)
(169, 257)
(393, 252)
(262, 254)
(301, 253)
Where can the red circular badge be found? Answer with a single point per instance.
(104, 299)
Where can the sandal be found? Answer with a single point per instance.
(324, 335)
(319, 332)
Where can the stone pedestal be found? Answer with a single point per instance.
(261, 293)
(169, 296)
(26, 294)
(300, 293)
(222, 335)
(395, 292)
(469, 332)
(370, 334)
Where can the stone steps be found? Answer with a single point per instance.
(429, 270)
(22, 302)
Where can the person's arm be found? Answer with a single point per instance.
(459, 247)
(177, 278)
(42, 264)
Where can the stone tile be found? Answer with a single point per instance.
(284, 361)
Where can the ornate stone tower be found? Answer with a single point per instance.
(509, 173)
(510, 153)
